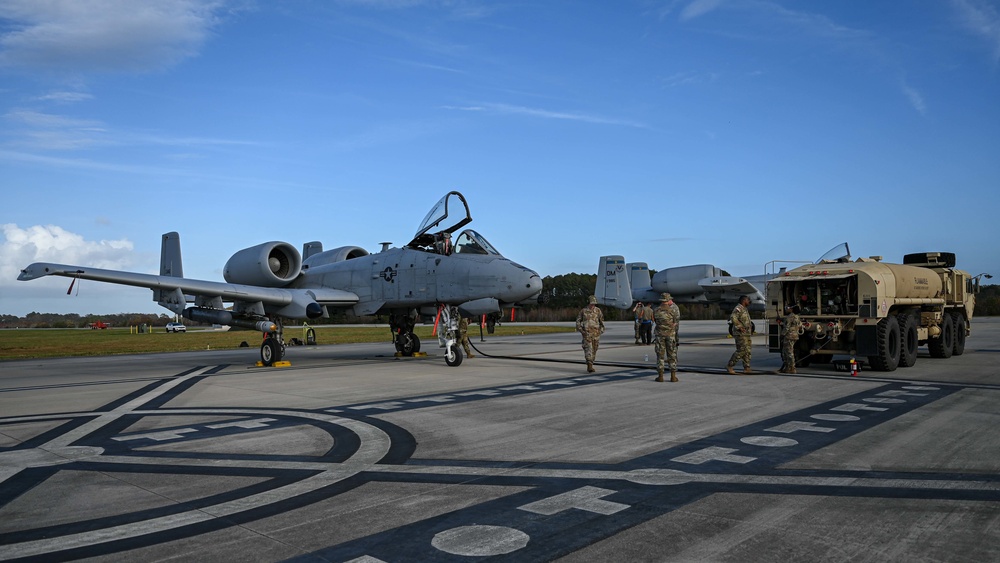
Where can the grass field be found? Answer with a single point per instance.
(53, 343)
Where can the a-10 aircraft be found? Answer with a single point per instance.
(272, 282)
(620, 284)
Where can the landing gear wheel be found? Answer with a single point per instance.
(455, 359)
(908, 340)
(959, 345)
(270, 351)
(944, 345)
(407, 343)
(888, 343)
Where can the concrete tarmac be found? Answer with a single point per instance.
(351, 454)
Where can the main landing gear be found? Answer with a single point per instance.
(273, 348)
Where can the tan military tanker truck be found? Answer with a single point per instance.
(868, 308)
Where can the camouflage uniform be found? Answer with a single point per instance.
(590, 324)
(668, 318)
(742, 332)
(791, 326)
(463, 333)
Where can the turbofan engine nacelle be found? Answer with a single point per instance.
(334, 255)
(271, 264)
(683, 280)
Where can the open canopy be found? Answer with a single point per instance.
(451, 210)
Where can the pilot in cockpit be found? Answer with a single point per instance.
(442, 243)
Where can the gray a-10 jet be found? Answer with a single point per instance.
(432, 275)
(620, 284)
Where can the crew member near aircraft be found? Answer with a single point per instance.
(590, 324)
(639, 312)
(646, 326)
(742, 333)
(791, 325)
(668, 319)
(463, 333)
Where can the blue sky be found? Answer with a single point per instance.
(673, 132)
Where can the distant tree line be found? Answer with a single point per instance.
(566, 295)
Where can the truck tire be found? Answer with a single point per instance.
(959, 338)
(888, 342)
(908, 339)
(944, 345)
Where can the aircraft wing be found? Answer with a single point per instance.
(172, 291)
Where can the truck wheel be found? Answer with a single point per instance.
(908, 340)
(944, 345)
(888, 345)
(959, 346)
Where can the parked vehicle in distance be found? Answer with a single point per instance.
(176, 327)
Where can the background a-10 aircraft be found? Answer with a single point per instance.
(620, 285)
(271, 282)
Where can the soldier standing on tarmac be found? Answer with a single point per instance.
(639, 313)
(790, 330)
(590, 324)
(742, 333)
(668, 318)
(463, 334)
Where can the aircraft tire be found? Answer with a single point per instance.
(456, 359)
(407, 343)
(270, 352)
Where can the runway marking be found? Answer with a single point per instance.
(555, 497)
(585, 498)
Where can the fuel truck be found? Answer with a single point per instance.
(875, 310)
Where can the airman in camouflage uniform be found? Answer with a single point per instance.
(463, 334)
(791, 325)
(742, 332)
(639, 313)
(668, 318)
(590, 324)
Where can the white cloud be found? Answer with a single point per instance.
(507, 109)
(698, 8)
(982, 19)
(50, 243)
(103, 35)
(65, 97)
(916, 100)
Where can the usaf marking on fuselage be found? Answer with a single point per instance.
(594, 500)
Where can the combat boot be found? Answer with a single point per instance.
(747, 371)
(791, 369)
(730, 370)
(673, 376)
(590, 367)
(659, 375)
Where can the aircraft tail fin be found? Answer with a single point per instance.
(310, 248)
(638, 274)
(170, 256)
(171, 266)
(613, 288)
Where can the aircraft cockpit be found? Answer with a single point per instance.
(471, 242)
(452, 211)
(838, 254)
(453, 204)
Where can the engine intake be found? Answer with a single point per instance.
(271, 264)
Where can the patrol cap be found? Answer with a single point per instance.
(592, 300)
(664, 297)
